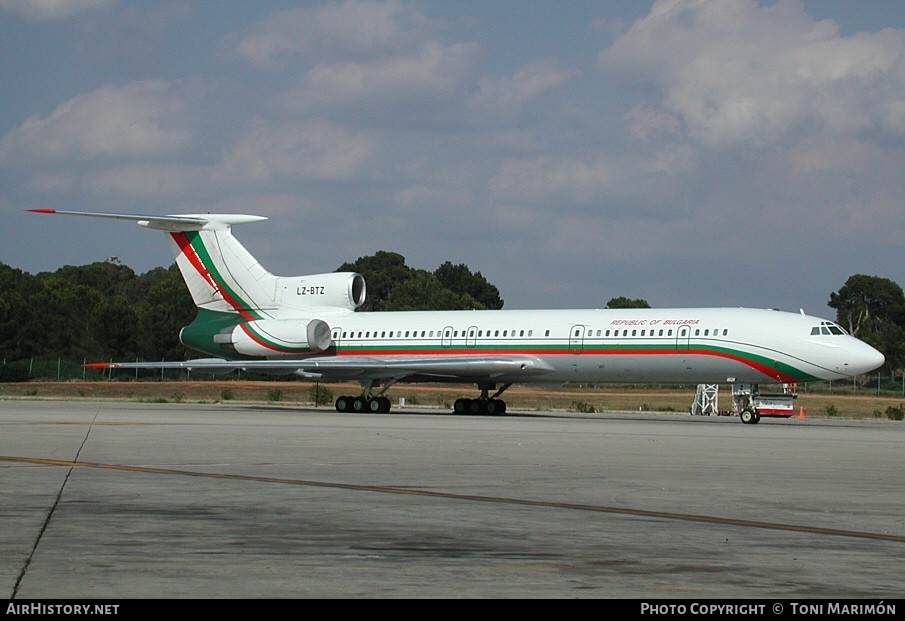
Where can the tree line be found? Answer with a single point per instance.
(105, 311)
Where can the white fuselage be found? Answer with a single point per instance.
(611, 345)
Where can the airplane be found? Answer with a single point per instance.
(308, 326)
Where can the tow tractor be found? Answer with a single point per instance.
(751, 405)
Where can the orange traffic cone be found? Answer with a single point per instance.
(801, 412)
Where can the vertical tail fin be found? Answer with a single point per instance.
(242, 308)
(223, 277)
(219, 272)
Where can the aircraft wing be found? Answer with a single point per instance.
(368, 367)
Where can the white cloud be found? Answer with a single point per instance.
(357, 28)
(604, 183)
(145, 181)
(52, 9)
(507, 95)
(546, 179)
(297, 150)
(434, 73)
(140, 119)
(736, 72)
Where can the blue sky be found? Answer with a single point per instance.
(688, 152)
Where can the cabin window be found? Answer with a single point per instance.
(669, 333)
(707, 332)
(546, 333)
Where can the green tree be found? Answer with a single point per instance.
(15, 287)
(623, 302)
(459, 279)
(392, 285)
(58, 325)
(163, 306)
(113, 326)
(422, 290)
(873, 309)
(382, 272)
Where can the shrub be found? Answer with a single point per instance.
(320, 394)
(896, 413)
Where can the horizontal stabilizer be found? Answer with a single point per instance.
(188, 222)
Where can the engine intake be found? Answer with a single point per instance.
(344, 290)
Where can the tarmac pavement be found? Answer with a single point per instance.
(140, 500)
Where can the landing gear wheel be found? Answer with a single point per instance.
(496, 406)
(462, 406)
(749, 416)
(359, 404)
(344, 404)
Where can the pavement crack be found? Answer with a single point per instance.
(53, 508)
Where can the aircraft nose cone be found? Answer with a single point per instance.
(866, 359)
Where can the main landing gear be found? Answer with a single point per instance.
(379, 404)
(374, 405)
(366, 402)
(484, 404)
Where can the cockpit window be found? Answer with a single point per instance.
(827, 328)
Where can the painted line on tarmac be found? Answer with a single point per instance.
(664, 515)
